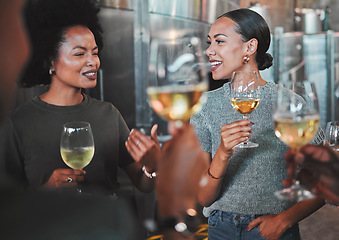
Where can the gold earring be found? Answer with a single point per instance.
(246, 59)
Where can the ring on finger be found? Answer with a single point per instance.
(69, 179)
(137, 143)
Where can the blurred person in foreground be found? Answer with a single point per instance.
(15, 49)
(319, 171)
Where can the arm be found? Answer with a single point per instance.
(146, 152)
(274, 226)
(12, 171)
(231, 135)
(139, 178)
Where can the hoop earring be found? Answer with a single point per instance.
(50, 71)
(246, 59)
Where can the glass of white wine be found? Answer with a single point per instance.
(77, 145)
(332, 136)
(177, 78)
(296, 122)
(245, 97)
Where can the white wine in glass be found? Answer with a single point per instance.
(296, 122)
(177, 78)
(332, 136)
(245, 97)
(77, 145)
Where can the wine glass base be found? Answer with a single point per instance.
(295, 192)
(247, 145)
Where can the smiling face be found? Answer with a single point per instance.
(78, 60)
(226, 50)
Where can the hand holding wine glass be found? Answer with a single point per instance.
(296, 122)
(245, 96)
(77, 145)
(177, 78)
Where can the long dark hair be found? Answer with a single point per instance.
(250, 24)
(47, 21)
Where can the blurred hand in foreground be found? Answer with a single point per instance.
(320, 170)
(180, 172)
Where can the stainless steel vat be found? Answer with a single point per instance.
(313, 57)
(129, 26)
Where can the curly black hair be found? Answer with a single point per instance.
(46, 22)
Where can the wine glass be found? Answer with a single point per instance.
(177, 78)
(332, 136)
(296, 122)
(77, 145)
(245, 97)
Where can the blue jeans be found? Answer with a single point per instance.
(232, 226)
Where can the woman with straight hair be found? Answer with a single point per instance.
(238, 198)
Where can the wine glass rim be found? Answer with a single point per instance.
(77, 125)
(245, 72)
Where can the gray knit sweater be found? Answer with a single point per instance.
(254, 174)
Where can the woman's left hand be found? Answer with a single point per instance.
(270, 226)
(144, 149)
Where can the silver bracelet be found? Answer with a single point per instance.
(149, 175)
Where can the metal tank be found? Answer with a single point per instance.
(314, 57)
(129, 27)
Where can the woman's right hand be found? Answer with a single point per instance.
(65, 177)
(232, 134)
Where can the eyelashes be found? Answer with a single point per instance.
(217, 41)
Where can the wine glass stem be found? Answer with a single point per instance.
(244, 116)
(296, 170)
(178, 123)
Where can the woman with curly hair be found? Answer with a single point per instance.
(66, 39)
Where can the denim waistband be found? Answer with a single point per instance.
(235, 216)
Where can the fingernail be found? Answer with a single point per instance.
(252, 122)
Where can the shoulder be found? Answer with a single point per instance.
(270, 87)
(214, 102)
(101, 105)
(216, 96)
(104, 110)
(25, 109)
